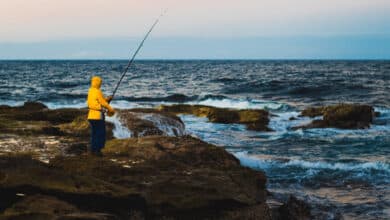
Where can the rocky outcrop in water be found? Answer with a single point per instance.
(149, 122)
(293, 209)
(344, 116)
(253, 119)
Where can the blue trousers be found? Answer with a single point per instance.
(98, 135)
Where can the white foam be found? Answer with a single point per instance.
(11, 103)
(383, 111)
(257, 162)
(58, 105)
(240, 104)
(282, 123)
(120, 104)
(120, 131)
(379, 165)
(167, 125)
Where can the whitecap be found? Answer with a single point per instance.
(260, 163)
(241, 103)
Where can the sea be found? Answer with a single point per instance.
(342, 174)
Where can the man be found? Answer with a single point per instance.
(97, 105)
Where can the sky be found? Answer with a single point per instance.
(195, 29)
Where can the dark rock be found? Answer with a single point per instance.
(294, 209)
(344, 116)
(29, 177)
(48, 207)
(34, 106)
(250, 213)
(177, 98)
(76, 149)
(313, 112)
(337, 115)
(26, 120)
(51, 130)
(254, 119)
(292, 118)
(150, 122)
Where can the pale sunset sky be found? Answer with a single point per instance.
(195, 29)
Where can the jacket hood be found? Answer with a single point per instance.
(96, 82)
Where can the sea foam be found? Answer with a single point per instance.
(260, 163)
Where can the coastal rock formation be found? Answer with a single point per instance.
(293, 209)
(154, 177)
(253, 119)
(344, 116)
(35, 118)
(149, 122)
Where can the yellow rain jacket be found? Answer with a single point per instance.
(96, 101)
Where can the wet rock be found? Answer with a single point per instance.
(48, 207)
(145, 178)
(35, 118)
(292, 118)
(251, 213)
(34, 106)
(76, 149)
(178, 98)
(293, 209)
(149, 122)
(313, 112)
(45, 207)
(29, 177)
(55, 116)
(45, 133)
(51, 130)
(186, 176)
(344, 116)
(254, 119)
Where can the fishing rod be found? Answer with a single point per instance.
(135, 54)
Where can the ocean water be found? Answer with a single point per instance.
(342, 173)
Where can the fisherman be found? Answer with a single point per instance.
(98, 105)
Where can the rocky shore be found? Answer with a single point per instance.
(160, 172)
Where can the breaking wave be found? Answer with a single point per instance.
(242, 104)
(265, 164)
(168, 126)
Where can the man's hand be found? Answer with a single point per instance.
(111, 112)
(109, 99)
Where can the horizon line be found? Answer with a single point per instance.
(201, 59)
